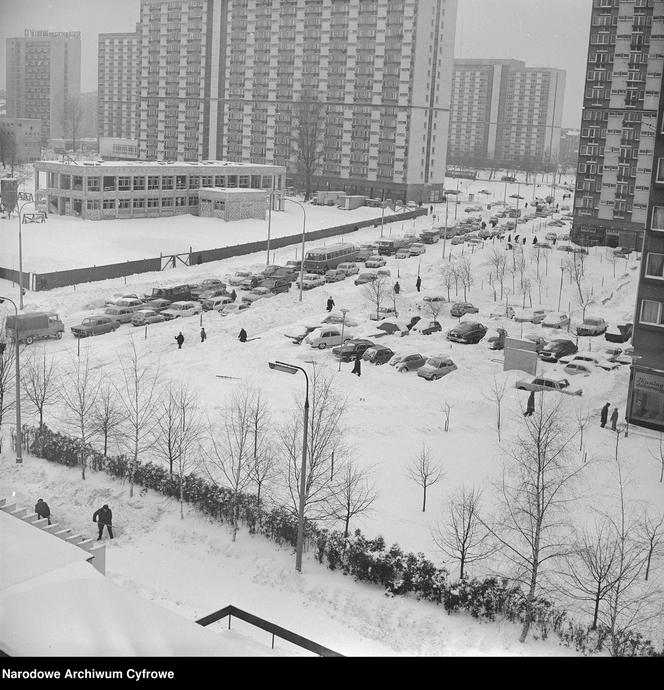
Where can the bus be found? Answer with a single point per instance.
(322, 259)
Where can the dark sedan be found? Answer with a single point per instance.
(467, 332)
(378, 354)
(556, 349)
(351, 348)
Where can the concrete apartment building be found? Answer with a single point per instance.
(370, 81)
(503, 112)
(118, 81)
(21, 139)
(44, 79)
(619, 121)
(645, 405)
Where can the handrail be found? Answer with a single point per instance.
(268, 627)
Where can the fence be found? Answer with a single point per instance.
(54, 279)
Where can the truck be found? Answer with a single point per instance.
(390, 247)
(34, 326)
(176, 293)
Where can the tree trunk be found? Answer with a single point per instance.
(531, 592)
(596, 612)
(424, 500)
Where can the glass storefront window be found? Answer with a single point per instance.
(648, 398)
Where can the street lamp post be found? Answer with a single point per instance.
(19, 436)
(293, 369)
(447, 207)
(20, 255)
(343, 324)
(382, 216)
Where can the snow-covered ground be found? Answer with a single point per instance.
(191, 565)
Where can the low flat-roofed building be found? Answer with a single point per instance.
(232, 204)
(100, 190)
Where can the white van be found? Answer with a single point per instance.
(327, 336)
(216, 302)
(349, 268)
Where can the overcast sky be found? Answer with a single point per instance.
(543, 33)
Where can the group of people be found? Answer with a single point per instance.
(179, 338)
(604, 416)
(103, 517)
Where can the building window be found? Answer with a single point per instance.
(124, 203)
(109, 184)
(660, 170)
(219, 181)
(657, 218)
(206, 181)
(124, 184)
(181, 182)
(92, 204)
(139, 203)
(180, 200)
(109, 204)
(167, 201)
(655, 265)
(193, 201)
(167, 183)
(651, 313)
(219, 205)
(139, 184)
(153, 203)
(194, 182)
(153, 182)
(93, 184)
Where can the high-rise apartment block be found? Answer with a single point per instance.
(44, 79)
(505, 113)
(619, 121)
(355, 92)
(118, 69)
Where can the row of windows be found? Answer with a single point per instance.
(152, 202)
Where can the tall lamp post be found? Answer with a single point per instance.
(293, 369)
(19, 439)
(20, 254)
(447, 207)
(343, 325)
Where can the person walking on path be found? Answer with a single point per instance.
(42, 510)
(356, 366)
(233, 295)
(530, 405)
(242, 335)
(203, 335)
(604, 415)
(614, 419)
(102, 517)
(179, 339)
(330, 303)
(397, 288)
(418, 283)
(554, 241)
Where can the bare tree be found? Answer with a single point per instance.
(659, 456)
(73, 113)
(137, 393)
(447, 409)
(498, 262)
(376, 292)
(434, 309)
(447, 274)
(463, 537)
(534, 492)
(325, 440)
(308, 118)
(464, 268)
(496, 394)
(38, 380)
(651, 529)
(354, 495)
(107, 418)
(424, 472)
(582, 417)
(79, 391)
(574, 265)
(7, 377)
(231, 455)
(262, 467)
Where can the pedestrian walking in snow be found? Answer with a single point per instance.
(509, 238)
(42, 510)
(233, 295)
(535, 239)
(431, 209)
(330, 303)
(530, 405)
(397, 288)
(614, 419)
(418, 283)
(516, 238)
(179, 339)
(554, 241)
(242, 335)
(356, 366)
(524, 239)
(203, 335)
(604, 415)
(102, 517)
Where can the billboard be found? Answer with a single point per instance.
(647, 400)
(520, 354)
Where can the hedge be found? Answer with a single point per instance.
(366, 560)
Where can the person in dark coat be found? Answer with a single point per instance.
(356, 366)
(233, 295)
(509, 238)
(42, 510)
(530, 405)
(535, 239)
(203, 335)
(397, 288)
(330, 303)
(418, 283)
(516, 238)
(604, 415)
(242, 335)
(179, 339)
(102, 517)
(554, 241)
(524, 239)
(614, 419)
(509, 245)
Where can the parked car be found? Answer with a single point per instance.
(327, 336)
(592, 325)
(551, 235)
(349, 268)
(622, 252)
(619, 332)
(143, 317)
(375, 261)
(536, 338)
(409, 362)
(497, 340)
(378, 354)
(294, 265)
(298, 333)
(351, 348)
(270, 270)
(364, 278)
(257, 293)
(125, 295)
(503, 312)
(460, 308)
(417, 248)
(547, 383)
(233, 308)
(206, 285)
(392, 328)
(95, 325)
(132, 303)
(216, 302)
(426, 327)
(435, 298)
(467, 332)
(120, 314)
(178, 309)
(174, 293)
(542, 245)
(237, 278)
(158, 304)
(337, 317)
(212, 292)
(310, 281)
(556, 319)
(403, 253)
(361, 255)
(578, 367)
(274, 285)
(250, 282)
(334, 275)
(596, 358)
(458, 239)
(556, 349)
(529, 315)
(436, 367)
